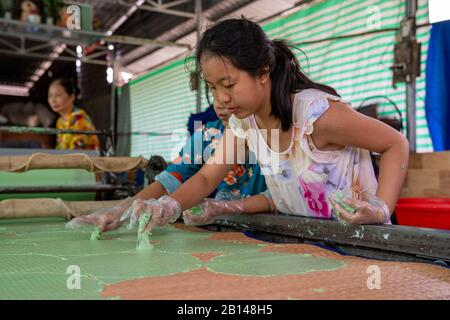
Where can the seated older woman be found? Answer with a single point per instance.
(61, 97)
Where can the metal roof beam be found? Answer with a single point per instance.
(54, 34)
(161, 9)
(142, 41)
(9, 44)
(174, 3)
(39, 47)
(153, 7)
(47, 57)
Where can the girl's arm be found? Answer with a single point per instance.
(185, 169)
(155, 190)
(199, 186)
(342, 126)
(257, 204)
(212, 209)
(190, 162)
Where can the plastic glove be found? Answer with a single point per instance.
(210, 209)
(369, 210)
(163, 211)
(228, 195)
(105, 218)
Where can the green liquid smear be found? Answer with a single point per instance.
(143, 241)
(340, 201)
(96, 234)
(270, 264)
(196, 210)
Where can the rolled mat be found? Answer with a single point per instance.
(70, 161)
(33, 208)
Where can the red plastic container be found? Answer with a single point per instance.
(424, 212)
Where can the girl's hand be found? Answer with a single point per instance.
(163, 211)
(210, 209)
(367, 211)
(105, 219)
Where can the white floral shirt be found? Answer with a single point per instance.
(301, 178)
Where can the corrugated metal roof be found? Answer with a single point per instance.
(255, 10)
(146, 24)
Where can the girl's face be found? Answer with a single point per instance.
(59, 100)
(234, 89)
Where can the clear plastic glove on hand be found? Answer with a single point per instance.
(210, 209)
(368, 210)
(104, 219)
(163, 211)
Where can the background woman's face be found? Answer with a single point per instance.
(59, 100)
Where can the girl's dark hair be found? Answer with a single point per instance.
(68, 85)
(247, 46)
(208, 98)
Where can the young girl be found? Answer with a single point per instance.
(321, 144)
(243, 183)
(61, 98)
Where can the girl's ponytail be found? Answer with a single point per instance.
(287, 78)
(283, 75)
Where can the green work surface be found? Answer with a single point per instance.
(40, 259)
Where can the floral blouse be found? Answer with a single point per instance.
(78, 119)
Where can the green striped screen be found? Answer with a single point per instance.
(357, 67)
(161, 103)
